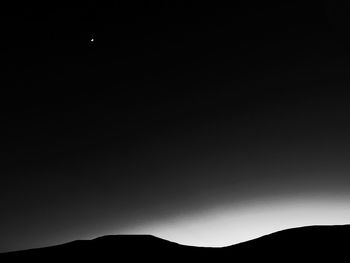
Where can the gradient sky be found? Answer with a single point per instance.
(201, 124)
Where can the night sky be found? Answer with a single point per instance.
(201, 123)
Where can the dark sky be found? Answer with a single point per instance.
(175, 116)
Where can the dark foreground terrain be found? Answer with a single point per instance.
(315, 242)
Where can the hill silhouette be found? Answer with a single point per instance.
(312, 243)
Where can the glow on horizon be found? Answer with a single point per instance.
(225, 225)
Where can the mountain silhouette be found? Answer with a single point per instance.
(311, 243)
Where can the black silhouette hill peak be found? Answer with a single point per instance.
(303, 243)
(133, 240)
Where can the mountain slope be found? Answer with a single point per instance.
(314, 242)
